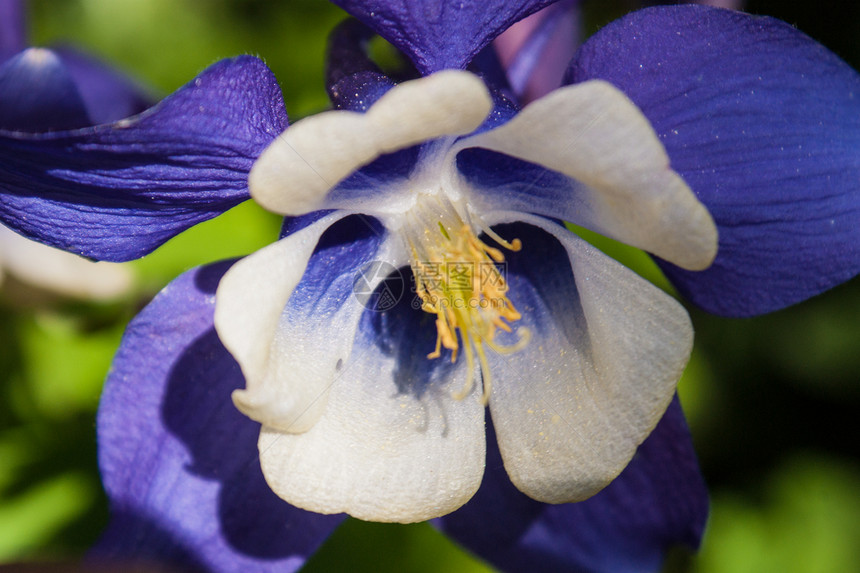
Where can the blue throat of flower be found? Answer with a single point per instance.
(460, 279)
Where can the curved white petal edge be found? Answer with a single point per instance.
(571, 408)
(294, 174)
(288, 365)
(594, 134)
(380, 453)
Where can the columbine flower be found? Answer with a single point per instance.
(576, 357)
(716, 86)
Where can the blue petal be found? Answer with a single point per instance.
(178, 461)
(364, 395)
(386, 393)
(108, 94)
(764, 125)
(13, 32)
(37, 93)
(117, 192)
(607, 348)
(658, 501)
(436, 34)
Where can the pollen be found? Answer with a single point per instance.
(460, 279)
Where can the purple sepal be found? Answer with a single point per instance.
(440, 34)
(116, 192)
(178, 461)
(764, 125)
(37, 93)
(658, 501)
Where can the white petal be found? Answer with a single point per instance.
(571, 408)
(381, 454)
(62, 272)
(593, 133)
(288, 364)
(294, 174)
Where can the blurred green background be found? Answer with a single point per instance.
(772, 401)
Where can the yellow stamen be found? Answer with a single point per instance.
(458, 280)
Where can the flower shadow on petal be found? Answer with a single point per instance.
(197, 410)
(178, 462)
(224, 449)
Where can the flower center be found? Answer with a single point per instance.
(460, 279)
